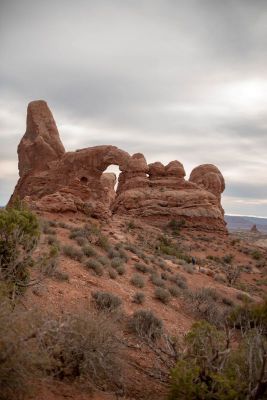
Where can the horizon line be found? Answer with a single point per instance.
(245, 215)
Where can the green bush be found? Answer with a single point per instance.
(73, 252)
(95, 266)
(164, 276)
(137, 281)
(212, 367)
(103, 260)
(102, 241)
(21, 361)
(49, 262)
(106, 301)
(81, 241)
(120, 269)
(61, 276)
(249, 316)
(166, 246)
(203, 303)
(176, 225)
(157, 280)
(116, 262)
(78, 232)
(256, 255)
(189, 268)
(88, 250)
(19, 235)
(82, 348)
(112, 273)
(113, 253)
(179, 280)
(174, 291)
(163, 295)
(146, 325)
(141, 267)
(139, 298)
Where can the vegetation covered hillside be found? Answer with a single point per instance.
(121, 309)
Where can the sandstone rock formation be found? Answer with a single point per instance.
(58, 181)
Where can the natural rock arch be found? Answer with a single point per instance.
(54, 180)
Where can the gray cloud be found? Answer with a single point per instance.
(180, 80)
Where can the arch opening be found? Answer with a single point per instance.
(84, 180)
(113, 169)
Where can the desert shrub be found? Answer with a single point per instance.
(243, 297)
(174, 291)
(95, 266)
(166, 246)
(163, 295)
(139, 298)
(176, 225)
(54, 224)
(138, 281)
(179, 280)
(49, 265)
(120, 269)
(20, 361)
(46, 228)
(113, 253)
(146, 325)
(106, 301)
(232, 273)
(19, 235)
(73, 252)
(157, 280)
(228, 258)
(123, 254)
(203, 304)
(219, 278)
(119, 248)
(130, 225)
(249, 315)
(116, 262)
(102, 241)
(112, 273)
(189, 268)
(103, 260)
(49, 262)
(78, 232)
(210, 292)
(256, 254)
(52, 240)
(164, 276)
(63, 225)
(162, 264)
(227, 301)
(81, 241)
(61, 276)
(84, 348)
(87, 232)
(88, 250)
(211, 367)
(141, 267)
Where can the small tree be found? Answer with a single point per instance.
(211, 367)
(19, 234)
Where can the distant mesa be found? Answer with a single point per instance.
(54, 180)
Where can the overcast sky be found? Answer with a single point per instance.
(173, 79)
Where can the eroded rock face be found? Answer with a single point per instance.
(58, 181)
